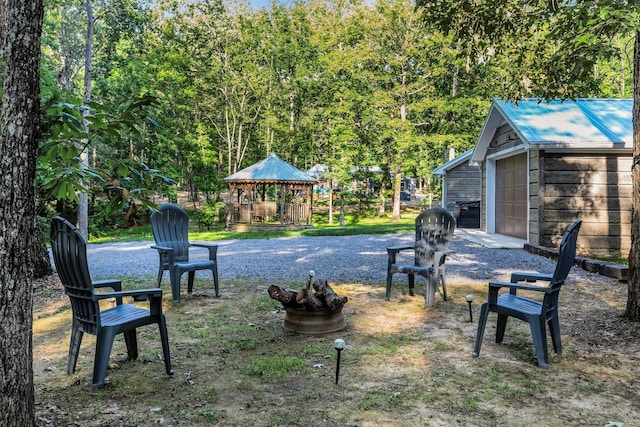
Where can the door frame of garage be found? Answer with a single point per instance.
(490, 186)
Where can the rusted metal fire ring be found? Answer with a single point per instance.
(313, 322)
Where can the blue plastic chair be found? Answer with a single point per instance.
(536, 313)
(170, 226)
(70, 257)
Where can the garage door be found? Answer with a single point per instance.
(511, 196)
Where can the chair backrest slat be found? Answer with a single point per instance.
(170, 226)
(70, 257)
(434, 231)
(566, 254)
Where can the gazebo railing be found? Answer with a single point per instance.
(269, 212)
(297, 213)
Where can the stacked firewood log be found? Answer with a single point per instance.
(315, 296)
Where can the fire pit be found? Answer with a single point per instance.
(311, 311)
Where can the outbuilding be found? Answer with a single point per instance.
(545, 164)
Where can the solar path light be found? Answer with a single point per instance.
(469, 301)
(339, 346)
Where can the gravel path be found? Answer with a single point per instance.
(347, 259)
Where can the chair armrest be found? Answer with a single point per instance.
(153, 295)
(521, 276)
(392, 251)
(494, 287)
(136, 294)
(116, 285)
(399, 248)
(165, 252)
(213, 249)
(162, 248)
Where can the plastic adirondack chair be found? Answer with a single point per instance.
(434, 231)
(70, 258)
(170, 225)
(536, 313)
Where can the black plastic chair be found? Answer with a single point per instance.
(434, 231)
(536, 313)
(70, 258)
(170, 225)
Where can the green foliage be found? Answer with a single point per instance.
(345, 84)
(130, 185)
(71, 128)
(553, 49)
(213, 213)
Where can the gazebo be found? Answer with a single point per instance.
(270, 194)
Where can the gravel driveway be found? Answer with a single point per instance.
(346, 259)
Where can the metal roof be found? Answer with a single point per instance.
(581, 124)
(271, 169)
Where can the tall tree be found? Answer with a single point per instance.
(20, 137)
(83, 197)
(554, 49)
(633, 299)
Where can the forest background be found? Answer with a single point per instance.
(186, 93)
(556, 53)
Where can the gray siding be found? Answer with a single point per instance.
(463, 184)
(594, 188)
(535, 182)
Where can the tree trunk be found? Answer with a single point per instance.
(20, 136)
(633, 297)
(42, 262)
(397, 182)
(3, 26)
(397, 176)
(83, 197)
(330, 197)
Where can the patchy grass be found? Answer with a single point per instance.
(404, 365)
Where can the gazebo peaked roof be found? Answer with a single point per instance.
(271, 169)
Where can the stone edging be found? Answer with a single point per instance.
(604, 268)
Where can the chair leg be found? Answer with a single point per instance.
(215, 280)
(412, 281)
(175, 284)
(554, 330)
(501, 327)
(444, 286)
(388, 294)
(104, 343)
(191, 275)
(131, 340)
(74, 349)
(160, 273)
(482, 322)
(164, 337)
(430, 289)
(540, 340)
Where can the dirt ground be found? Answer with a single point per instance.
(405, 364)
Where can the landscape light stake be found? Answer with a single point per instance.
(470, 300)
(339, 346)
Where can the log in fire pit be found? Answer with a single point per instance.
(314, 310)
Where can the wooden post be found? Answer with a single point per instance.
(310, 204)
(282, 197)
